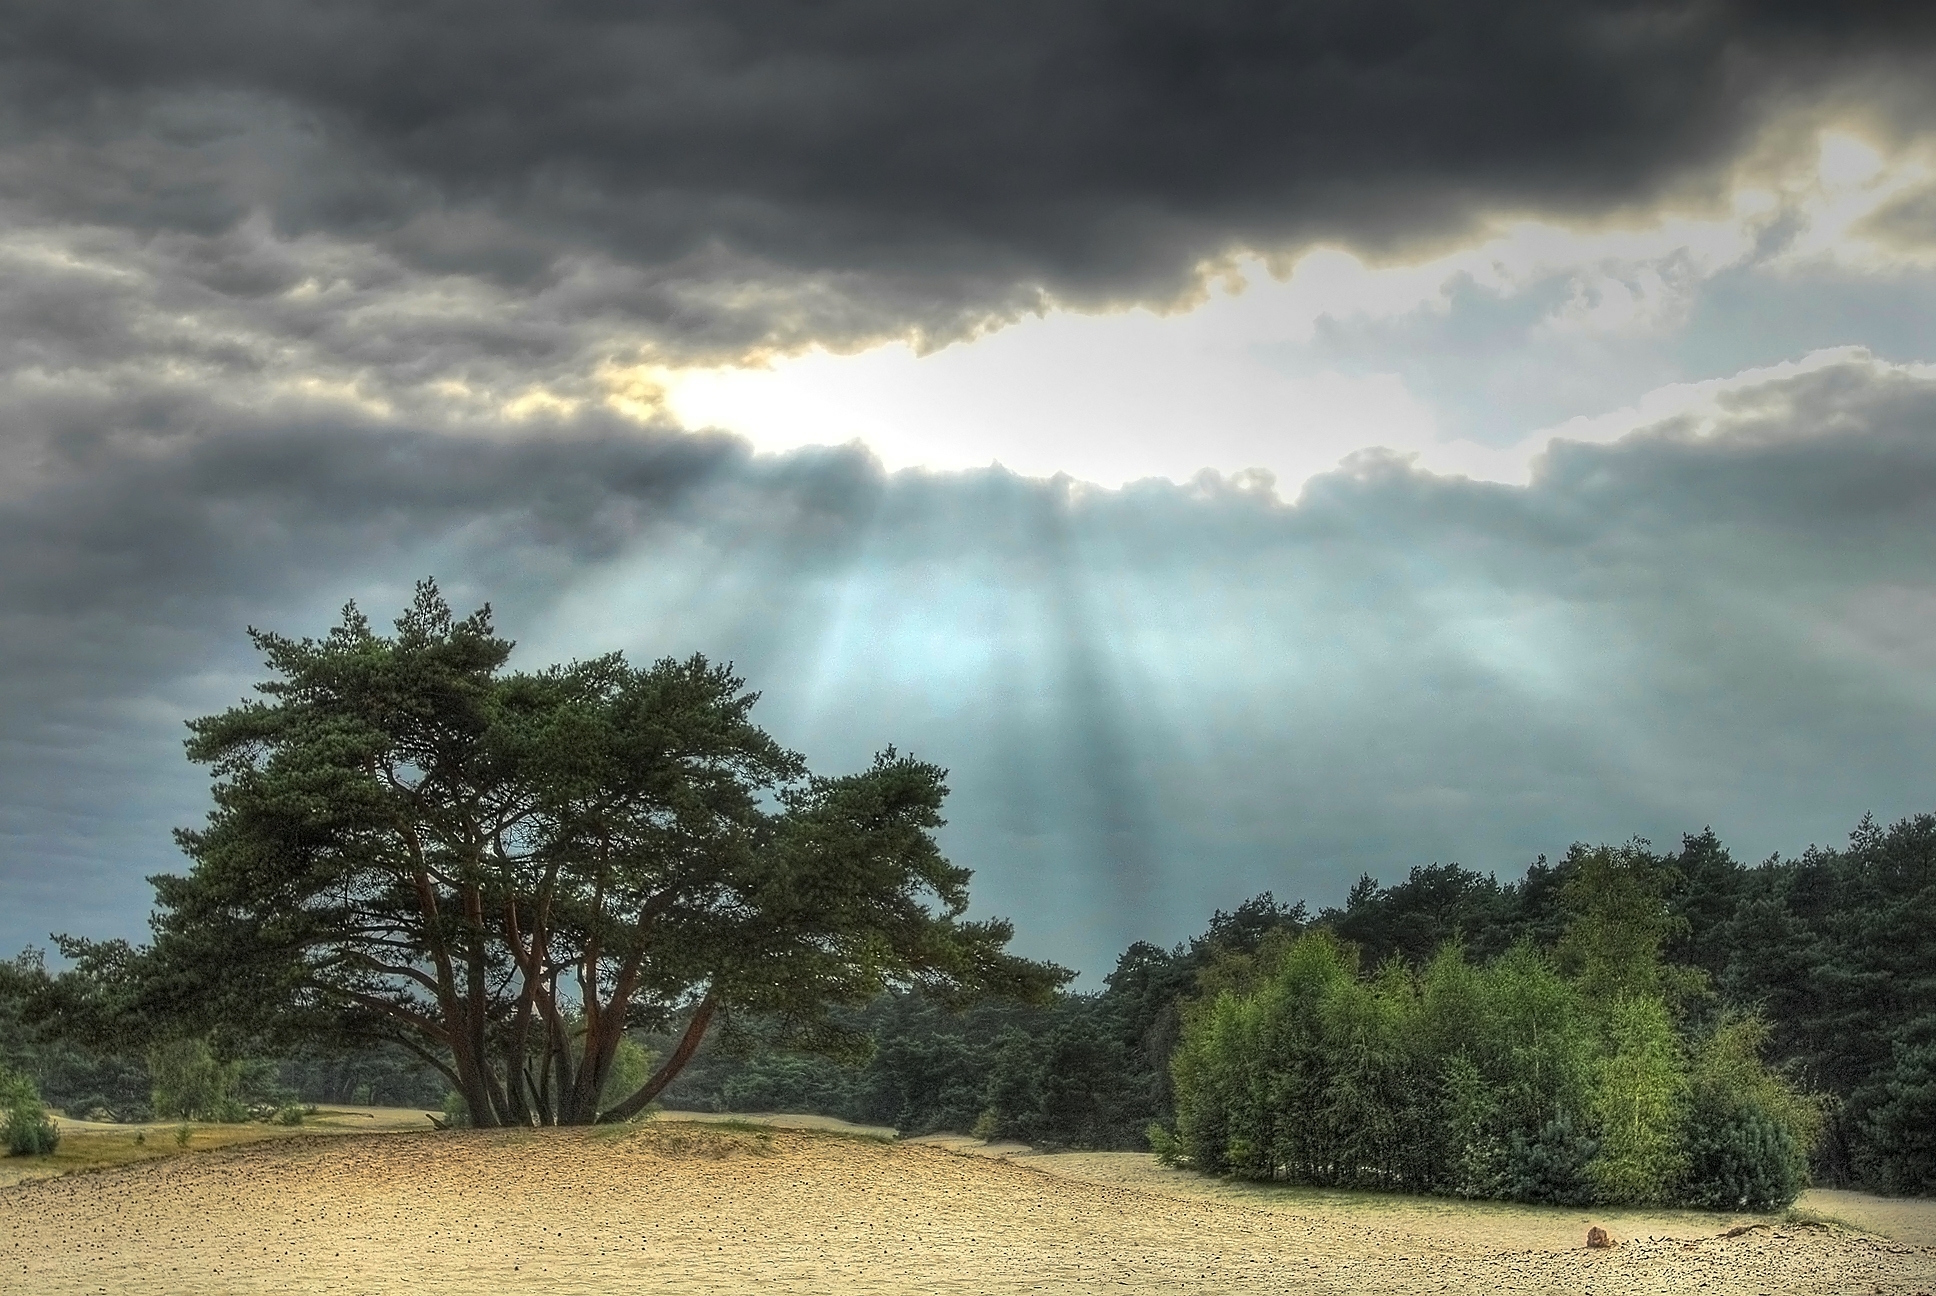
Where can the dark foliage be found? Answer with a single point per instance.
(1899, 1140)
(383, 1076)
(1550, 1165)
(1745, 1161)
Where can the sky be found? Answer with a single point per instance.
(1250, 445)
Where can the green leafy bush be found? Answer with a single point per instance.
(1506, 1080)
(29, 1130)
(1163, 1142)
(631, 1067)
(1638, 1102)
(190, 1083)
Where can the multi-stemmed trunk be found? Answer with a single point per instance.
(561, 1082)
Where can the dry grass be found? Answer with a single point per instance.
(676, 1207)
(91, 1145)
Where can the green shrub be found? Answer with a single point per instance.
(1550, 1167)
(29, 1130)
(1748, 1134)
(1164, 1143)
(190, 1083)
(457, 1112)
(1747, 1162)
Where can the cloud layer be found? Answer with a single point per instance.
(1154, 700)
(719, 176)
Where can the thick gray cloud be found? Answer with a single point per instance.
(733, 173)
(299, 302)
(1154, 700)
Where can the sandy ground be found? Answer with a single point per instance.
(680, 1207)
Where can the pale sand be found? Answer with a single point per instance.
(680, 1207)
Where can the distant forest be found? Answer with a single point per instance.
(1775, 1021)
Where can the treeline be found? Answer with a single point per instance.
(1788, 1007)
(1507, 1080)
(1834, 951)
(1768, 1022)
(77, 1072)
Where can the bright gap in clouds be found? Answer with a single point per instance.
(1546, 331)
(1105, 398)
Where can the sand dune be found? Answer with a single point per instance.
(680, 1207)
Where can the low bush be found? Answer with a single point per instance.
(29, 1131)
(1749, 1161)
(191, 1083)
(1552, 1166)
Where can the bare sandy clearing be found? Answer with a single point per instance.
(677, 1207)
(1503, 1225)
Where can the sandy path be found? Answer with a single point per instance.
(684, 1208)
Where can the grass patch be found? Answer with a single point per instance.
(83, 1150)
(1800, 1217)
(714, 1141)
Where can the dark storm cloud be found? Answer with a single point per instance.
(1154, 700)
(741, 172)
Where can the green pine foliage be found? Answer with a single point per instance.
(1551, 1166)
(1747, 1132)
(1901, 1127)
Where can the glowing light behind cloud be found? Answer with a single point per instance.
(1259, 374)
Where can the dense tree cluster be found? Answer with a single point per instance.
(1774, 1013)
(1509, 1079)
(1755, 1015)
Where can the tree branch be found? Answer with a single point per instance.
(702, 1017)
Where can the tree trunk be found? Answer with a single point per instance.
(702, 1018)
